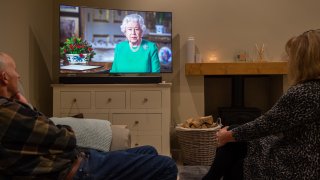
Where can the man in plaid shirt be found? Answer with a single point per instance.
(33, 147)
(30, 142)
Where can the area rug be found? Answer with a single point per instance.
(192, 172)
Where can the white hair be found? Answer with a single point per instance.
(133, 18)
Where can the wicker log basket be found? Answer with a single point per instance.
(198, 141)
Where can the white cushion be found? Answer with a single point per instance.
(90, 133)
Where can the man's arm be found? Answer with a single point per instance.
(37, 134)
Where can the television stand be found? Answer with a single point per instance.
(144, 108)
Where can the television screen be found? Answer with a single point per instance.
(111, 41)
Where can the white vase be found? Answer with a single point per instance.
(76, 59)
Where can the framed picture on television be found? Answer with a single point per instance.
(101, 15)
(70, 9)
(69, 26)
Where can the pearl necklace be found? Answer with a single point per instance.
(134, 49)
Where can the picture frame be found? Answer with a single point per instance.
(69, 9)
(69, 26)
(101, 15)
(118, 15)
(102, 39)
(119, 38)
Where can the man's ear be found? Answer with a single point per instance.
(4, 77)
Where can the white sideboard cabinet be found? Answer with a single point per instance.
(144, 108)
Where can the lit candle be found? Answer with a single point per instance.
(212, 57)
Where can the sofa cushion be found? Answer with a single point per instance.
(121, 138)
(90, 133)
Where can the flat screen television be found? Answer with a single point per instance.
(101, 45)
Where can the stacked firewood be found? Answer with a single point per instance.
(200, 123)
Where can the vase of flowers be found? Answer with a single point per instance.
(76, 51)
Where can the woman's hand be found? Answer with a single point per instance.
(224, 136)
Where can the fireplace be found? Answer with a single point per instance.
(237, 113)
(216, 100)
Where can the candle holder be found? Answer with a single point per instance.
(242, 56)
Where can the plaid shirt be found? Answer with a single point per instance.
(31, 144)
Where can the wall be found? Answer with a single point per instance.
(29, 32)
(14, 35)
(26, 34)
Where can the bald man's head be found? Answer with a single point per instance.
(9, 77)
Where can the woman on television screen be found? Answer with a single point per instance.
(135, 55)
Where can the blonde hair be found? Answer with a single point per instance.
(304, 57)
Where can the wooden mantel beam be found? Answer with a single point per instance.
(237, 68)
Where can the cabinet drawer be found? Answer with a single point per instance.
(143, 123)
(154, 141)
(146, 99)
(75, 100)
(112, 100)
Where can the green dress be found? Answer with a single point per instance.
(144, 60)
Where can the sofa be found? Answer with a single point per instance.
(120, 140)
(96, 133)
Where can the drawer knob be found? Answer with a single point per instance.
(109, 100)
(145, 100)
(136, 122)
(136, 144)
(74, 100)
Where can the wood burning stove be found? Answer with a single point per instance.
(237, 113)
